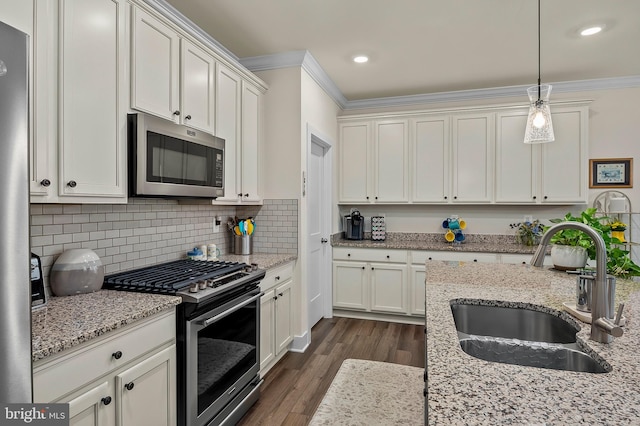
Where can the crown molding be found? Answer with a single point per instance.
(305, 59)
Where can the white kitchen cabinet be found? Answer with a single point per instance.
(391, 161)
(79, 138)
(371, 280)
(522, 259)
(472, 158)
(171, 77)
(276, 308)
(238, 119)
(417, 276)
(147, 384)
(430, 146)
(554, 172)
(374, 161)
(155, 66)
(197, 87)
(125, 377)
(354, 169)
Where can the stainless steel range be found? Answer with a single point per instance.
(217, 333)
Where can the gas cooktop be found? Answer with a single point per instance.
(193, 280)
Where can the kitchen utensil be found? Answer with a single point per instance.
(243, 244)
(250, 227)
(462, 223)
(76, 271)
(449, 236)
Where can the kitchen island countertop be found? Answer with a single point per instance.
(467, 390)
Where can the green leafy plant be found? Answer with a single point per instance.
(618, 261)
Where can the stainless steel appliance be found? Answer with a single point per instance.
(218, 334)
(15, 303)
(353, 225)
(173, 161)
(38, 296)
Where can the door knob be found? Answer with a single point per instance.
(324, 240)
(188, 117)
(72, 184)
(176, 112)
(129, 386)
(45, 182)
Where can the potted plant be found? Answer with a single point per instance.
(571, 242)
(528, 233)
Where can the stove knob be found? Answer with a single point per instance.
(193, 288)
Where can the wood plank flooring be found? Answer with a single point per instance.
(294, 387)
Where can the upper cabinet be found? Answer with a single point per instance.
(554, 172)
(465, 157)
(79, 126)
(374, 159)
(170, 76)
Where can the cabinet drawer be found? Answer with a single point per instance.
(277, 275)
(370, 255)
(57, 377)
(420, 257)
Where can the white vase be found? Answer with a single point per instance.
(568, 258)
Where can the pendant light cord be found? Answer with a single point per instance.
(538, 50)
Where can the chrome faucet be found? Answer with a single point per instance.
(602, 329)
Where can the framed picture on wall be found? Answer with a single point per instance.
(611, 173)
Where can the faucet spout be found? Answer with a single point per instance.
(600, 330)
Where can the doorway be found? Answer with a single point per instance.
(318, 188)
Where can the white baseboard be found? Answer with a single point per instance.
(300, 343)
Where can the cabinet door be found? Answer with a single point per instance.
(228, 90)
(146, 392)
(283, 326)
(350, 282)
(197, 81)
(564, 175)
(516, 162)
(472, 158)
(250, 135)
(391, 165)
(43, 141)
(267, 338)
(417, 276)
(92, 111)
(154, 66)
(388, 288)
(430, 159)
(95, 407)
(354, 162)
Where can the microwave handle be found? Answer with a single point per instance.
(231, 310)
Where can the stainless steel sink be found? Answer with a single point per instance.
(523, 336)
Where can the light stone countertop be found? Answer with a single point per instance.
(69, 321)
(436, 242)
(467, 390)
(66, 322)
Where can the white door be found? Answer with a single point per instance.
(318, 207)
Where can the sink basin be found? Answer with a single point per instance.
(522, 336)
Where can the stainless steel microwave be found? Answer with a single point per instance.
(173, 161)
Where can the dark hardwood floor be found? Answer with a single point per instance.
(293, 388)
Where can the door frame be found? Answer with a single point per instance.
(316, 137)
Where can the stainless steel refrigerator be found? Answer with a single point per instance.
(15, 284)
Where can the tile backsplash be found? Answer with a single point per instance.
(148, 231)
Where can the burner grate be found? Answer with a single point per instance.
(170, 277)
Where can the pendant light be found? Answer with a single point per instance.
(539, 126)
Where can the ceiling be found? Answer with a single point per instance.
(429, 46)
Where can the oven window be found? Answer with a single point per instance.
(178, 161)
(227, 349)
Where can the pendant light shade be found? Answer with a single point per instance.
(539, 127)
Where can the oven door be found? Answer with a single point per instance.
(222, 355)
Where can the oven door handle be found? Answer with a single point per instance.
(231, 310)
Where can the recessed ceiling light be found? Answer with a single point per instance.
(360, 59)
(591, 30)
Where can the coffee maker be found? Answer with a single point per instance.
(353, 225)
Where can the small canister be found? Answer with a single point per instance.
(212, 252)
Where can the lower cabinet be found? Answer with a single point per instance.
(370, 280)
(276, 326)
(127, 378)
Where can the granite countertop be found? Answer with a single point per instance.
(68, 321)
(467, 390)
(264, 260)
(434, 241)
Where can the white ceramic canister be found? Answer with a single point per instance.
(212, 252)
